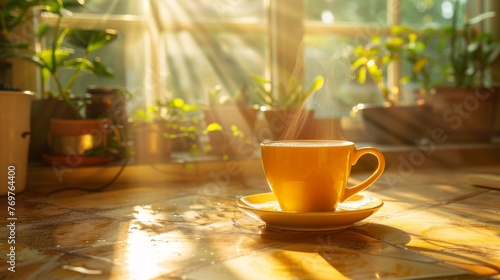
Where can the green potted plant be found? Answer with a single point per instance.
(15, 105)
(79, 127)
(184, 124)
(230, 123)
(169, 125)
(394, 121)
(465, 107)
(285, 110)
(50, 60)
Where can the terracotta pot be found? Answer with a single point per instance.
(14, 141)
(77, 137)
(397, 125)
(42, 111)
(466, 115)
(225, 141)
(289, 123)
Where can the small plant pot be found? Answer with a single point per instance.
(185, 135)
(42, 111)
(397, 125)
(236, 134)
(466, 115)
(78, 138)
(151, 146)
(289, 123)
(14, 140)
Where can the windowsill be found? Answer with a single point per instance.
(214, 170)
(430, 155)
(183, 167)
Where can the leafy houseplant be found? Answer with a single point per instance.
(471, 54)
(230, 123)
(285, 110)
(58, 56)
(170, 124)
(54, 57)
(465, 107)
(404, 45)
(393, 122)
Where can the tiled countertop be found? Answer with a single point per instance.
(433, 224)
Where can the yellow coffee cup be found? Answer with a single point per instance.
(311, 175)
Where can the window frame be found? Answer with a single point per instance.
(281, 55)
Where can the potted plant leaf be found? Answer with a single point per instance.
(57, 55)
(285, 110)
(230, 123)
(467, 105)
(394, 122)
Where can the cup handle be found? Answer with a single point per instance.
(349, 192)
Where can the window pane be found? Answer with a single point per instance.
(197, 62)
(330, 56)
(440, 12)
(330, 11)
(176, 48)
(209, 43)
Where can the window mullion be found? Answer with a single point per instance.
(492, 26)
(395, 68)
(285, 34)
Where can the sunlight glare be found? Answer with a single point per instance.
(142, 243)
(327, 16)
(139, 266)
(447, 9)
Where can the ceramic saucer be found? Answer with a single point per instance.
(264, 207)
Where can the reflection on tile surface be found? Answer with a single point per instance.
(195, 231)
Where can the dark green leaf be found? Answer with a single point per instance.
(42, 29)
(79, 63)
(92, 40)
(46, 57)
(100, 69)
(73, 3)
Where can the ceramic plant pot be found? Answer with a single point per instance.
(42, 111)
(75, 143)
(466, 115)
(14, 141)
(236, 134)
(150, 144)
(397, 125)
(185, 135)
